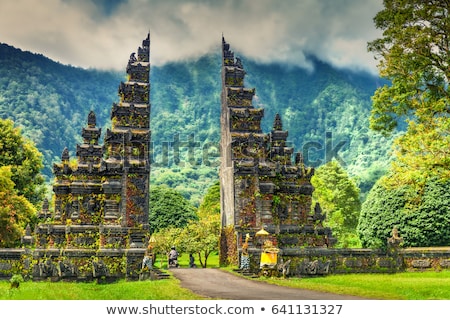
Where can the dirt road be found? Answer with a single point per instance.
(219, 284)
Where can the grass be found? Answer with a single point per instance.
(399, 286)
(183, 261)
(167, 289)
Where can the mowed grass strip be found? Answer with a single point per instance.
(166, 289)
(399, 286)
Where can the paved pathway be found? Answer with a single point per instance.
(219, 284)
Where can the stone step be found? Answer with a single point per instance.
(246, 273)
(154, 274)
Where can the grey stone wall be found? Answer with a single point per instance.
(324, 261)
(72, 264)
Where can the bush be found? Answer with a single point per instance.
(421, 216)
(15, 281)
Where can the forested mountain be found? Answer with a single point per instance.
(325, 111)
(51, 101)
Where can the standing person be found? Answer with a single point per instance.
(191, 261)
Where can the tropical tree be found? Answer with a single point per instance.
(164, 239)
(199, 237)
(414, 56)
(16, 212)
(169, 209)
(338, 196)
(210, 205)
(24, 161)
(202, 238)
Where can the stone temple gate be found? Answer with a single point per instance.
(98, 227)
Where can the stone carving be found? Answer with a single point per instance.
(66, 269)
(353, 263)
(318, 216)
(46, 269)
(27, 239)
(5, 266)
(132, 58)
(444, 263)
(315, 267)
(421, 263)
(395, 241)
(149, 257)
(245, 259)
(284, 268)
(385, 263)
(65, 155)
(99, 269)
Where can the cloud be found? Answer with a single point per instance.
(102, 34)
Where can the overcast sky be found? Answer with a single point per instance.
(103, 33)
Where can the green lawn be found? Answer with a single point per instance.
(400, 286)
(183, 261)
(167, 289)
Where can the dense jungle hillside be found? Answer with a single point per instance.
(325, 111)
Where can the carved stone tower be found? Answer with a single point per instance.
(102, 199)
(127, 145)
(260, 186)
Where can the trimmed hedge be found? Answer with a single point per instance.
(422, 217)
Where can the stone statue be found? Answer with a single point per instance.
(395, 241)
(245, 258)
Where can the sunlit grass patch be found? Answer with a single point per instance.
(166, 289)
(399, 286)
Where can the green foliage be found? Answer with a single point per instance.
(21, 184)
(413, 54)
(166, 238)
(199, 236)
(168, 208)
(421, 216)
(211, 202)
(24, 161)
(16, 280)
(191, 183)
(50, 101)
(338, 196)
(202, 237)
(15, 211)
